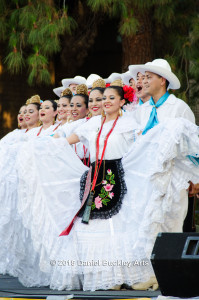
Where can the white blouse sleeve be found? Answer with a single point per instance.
(131, 136)
(86, 130)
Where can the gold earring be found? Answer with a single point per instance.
(120, 112)
(39, 123)
(89, 115)
(19, 126)
(103, 114)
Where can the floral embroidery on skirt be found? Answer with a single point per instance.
(109, 191)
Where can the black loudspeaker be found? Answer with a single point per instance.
(175, 260)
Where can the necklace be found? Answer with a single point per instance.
(97, 163)
(39, 131)
(84, 157)
(42, 128)
(87, 210)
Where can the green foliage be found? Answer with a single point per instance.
(114, 8)
(28, 24)
(128, 26)
(175, 30)
(35, 36)
(119, 8)
(38, 77)
(37, 60)
(165, 15)
(67, 24)
(3, 23)
(51, 46)
(194, 68)
(2, 6)
(194, 34)
(14, 39)
(14, 17)
(97, 5)
(38, 69)
(34, 24)
(14, 61)
(144, 5)
(3, 28)
(27, 17)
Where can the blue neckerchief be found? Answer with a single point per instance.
(140, 101)
(194, 159)
(153, 120)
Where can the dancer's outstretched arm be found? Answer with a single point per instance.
(73, 139)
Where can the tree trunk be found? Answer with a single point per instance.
(138, 49)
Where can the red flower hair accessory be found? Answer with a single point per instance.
(129, 94)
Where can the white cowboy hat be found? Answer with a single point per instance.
(134, 69)
(113, 77)
(126, 77)
(59, 90)
(160, 67)
(91, 78)
(76, 80)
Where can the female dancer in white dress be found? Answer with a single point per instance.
(28, 119)
(32, 112)
(63, 107)
(77, 107)
(20, 264)
(47, 115)
(22, 126)
(95, 109)
(11, 231)
(94, 105)
(20, 118)
(95, 97)
(80, 106)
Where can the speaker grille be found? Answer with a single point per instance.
(191, 248)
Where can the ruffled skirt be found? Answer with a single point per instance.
(111, 251)
(10, 221)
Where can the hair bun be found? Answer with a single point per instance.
(33, 99)
(99, 83)
(66, 92)
(117, 82)
(28, 101)
(82, 89)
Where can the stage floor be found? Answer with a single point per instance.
(10, 287)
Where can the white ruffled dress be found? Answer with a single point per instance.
(13, 235)
(113, 251)
(67, 129)
(9, 146)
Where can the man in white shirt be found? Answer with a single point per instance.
(158, 79)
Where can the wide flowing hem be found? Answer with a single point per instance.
(157, 171)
